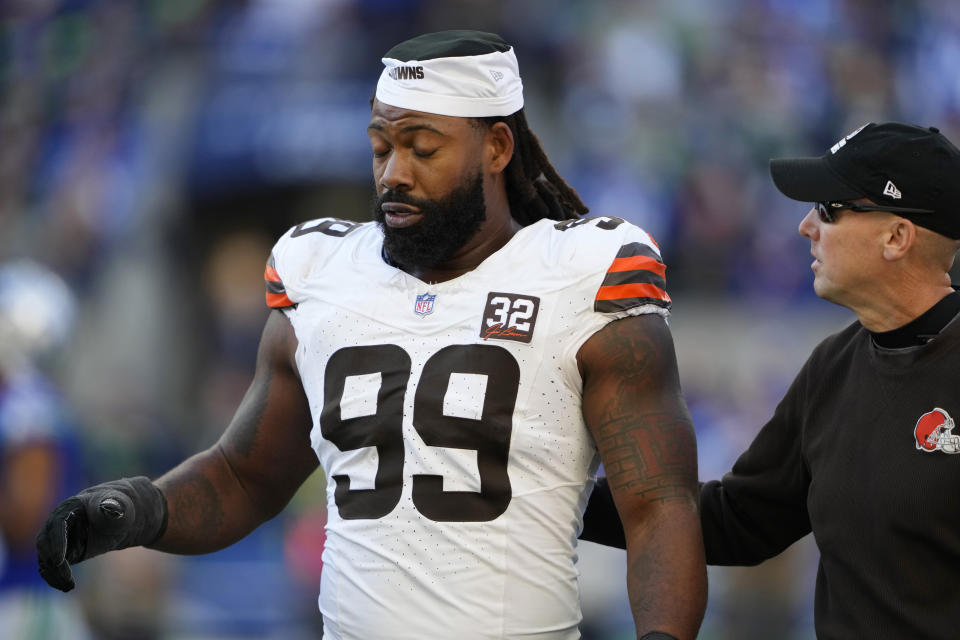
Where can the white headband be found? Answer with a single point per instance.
(463, 86)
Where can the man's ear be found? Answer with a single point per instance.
(899, 236)
(498, 144)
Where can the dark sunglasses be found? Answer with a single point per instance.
(828, 210)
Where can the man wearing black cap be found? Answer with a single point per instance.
(459, 368)
(861, 451)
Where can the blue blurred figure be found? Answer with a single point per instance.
(38, 452)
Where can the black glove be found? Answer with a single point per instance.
(601, 521)
(113, 515)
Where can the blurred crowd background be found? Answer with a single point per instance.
(152, 151)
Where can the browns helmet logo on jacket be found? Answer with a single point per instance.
(933, 432)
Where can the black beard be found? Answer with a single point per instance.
(445, 227)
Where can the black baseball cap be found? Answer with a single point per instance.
(892, 164)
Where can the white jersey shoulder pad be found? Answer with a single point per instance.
(634, 274)
(304, 249)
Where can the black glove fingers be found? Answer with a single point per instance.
(54, 538)
(76, 536)
(59, 576)
(53, 545)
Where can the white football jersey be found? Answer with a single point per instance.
(447, 418)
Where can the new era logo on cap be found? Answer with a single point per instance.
(892, 191)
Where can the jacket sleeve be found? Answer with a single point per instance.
(759, 508)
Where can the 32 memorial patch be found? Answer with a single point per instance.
(509, 316)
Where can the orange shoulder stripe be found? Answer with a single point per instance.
(637, 263)
(269, 273)
(637, 290)
(278, 300)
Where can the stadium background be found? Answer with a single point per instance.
(150, 152)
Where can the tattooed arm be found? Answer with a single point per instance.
(222, 494)
(633, 405)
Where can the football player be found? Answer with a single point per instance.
(458, 367)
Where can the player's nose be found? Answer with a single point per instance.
(396, 174)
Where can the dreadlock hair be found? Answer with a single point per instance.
(534, 188)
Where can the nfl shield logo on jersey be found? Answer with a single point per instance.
(424, 304)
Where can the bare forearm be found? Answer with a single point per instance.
(655, 482)
(640, 423)
(666, 576)
(208, 507)
(655, 478)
